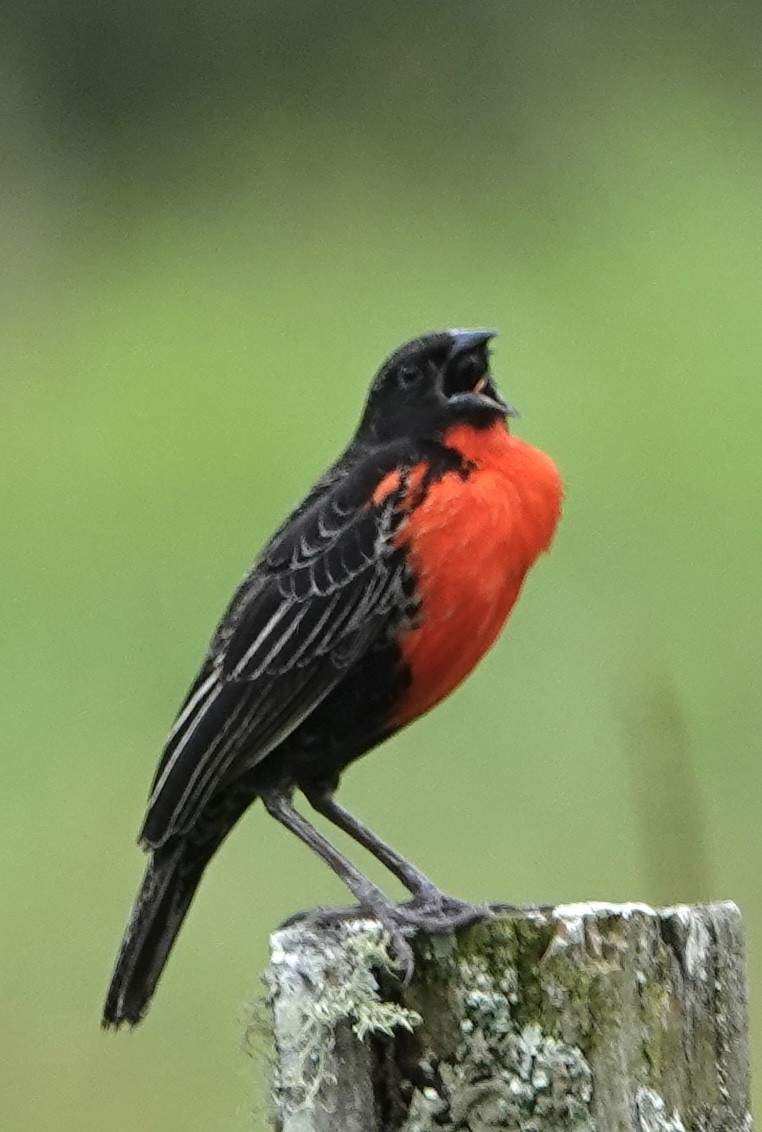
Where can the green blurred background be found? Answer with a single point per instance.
(215, 221)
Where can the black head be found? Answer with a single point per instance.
(432, 383)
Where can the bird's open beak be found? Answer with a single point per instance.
(463, 341)
(489, 394)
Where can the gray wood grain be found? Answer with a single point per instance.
(582, 1018)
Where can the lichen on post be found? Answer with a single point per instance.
(581, 1018)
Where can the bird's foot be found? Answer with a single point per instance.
(434, 912)
(325, 917)
(396, 931)
(429, 911)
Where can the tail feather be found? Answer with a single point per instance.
(168, 887)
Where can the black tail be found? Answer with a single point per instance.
(168, 888)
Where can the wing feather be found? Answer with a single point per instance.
(317, 599)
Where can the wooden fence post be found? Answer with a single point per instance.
(578, 1018)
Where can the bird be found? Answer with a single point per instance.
(373, 600)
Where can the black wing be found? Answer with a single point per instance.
(324, 589)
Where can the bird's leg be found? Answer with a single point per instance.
(278, 804)
(413, 879)
(430, 908)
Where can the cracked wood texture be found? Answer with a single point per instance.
(581, 1018)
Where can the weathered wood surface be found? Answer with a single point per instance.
(581, 1018)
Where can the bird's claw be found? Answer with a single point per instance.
(436, 913)
(322, 917)
(433, 913)
(396, 931)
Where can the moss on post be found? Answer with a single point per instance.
(581, 1018)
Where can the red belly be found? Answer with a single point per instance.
(470, 543)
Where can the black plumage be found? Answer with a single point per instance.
(305, 667)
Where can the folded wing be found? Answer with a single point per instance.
(320, 595)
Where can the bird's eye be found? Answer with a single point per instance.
(408, 375)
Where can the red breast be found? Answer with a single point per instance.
(471, 542)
